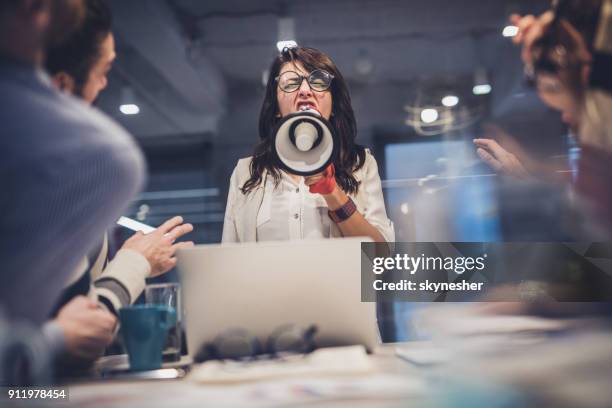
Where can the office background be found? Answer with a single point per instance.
(189, 81)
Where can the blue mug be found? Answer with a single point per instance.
(144, 329)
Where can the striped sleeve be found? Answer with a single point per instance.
(123, 280)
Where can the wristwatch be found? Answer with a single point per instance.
(343, 213)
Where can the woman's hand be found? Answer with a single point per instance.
(323, 183)
(356, 225)
(531, 29)
(499, 159)
(159, 247)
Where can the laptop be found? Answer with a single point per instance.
(258, 287)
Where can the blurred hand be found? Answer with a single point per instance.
(88, 330)
(531, 29)
(159, 247)
(322, 183)
(499, 159)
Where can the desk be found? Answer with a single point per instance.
(546, 372)
(393, 384)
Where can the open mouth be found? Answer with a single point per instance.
(304, 106)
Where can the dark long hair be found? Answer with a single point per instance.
(351, 156)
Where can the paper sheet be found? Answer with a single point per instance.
(330, 361)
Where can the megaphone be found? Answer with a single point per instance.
(304, 143)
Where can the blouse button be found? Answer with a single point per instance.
(296, 216)
(297, 190)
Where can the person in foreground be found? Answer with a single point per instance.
(567, 57)
(68, 172)
(79, 67)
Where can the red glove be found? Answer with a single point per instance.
(327, 184)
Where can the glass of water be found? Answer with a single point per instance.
(168, 294)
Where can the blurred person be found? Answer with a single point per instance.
(266, 203)
(79, 66)
(68, 171)
(572, 57)
(557, 50)
(567, 58)
(566, 53)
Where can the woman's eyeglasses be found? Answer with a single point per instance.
(318, 80)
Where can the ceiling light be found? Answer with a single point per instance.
(482, 85)
(450, 100)
(129, 109)
(127, 101)
(483, 89)
(286, 33)
(429, 115)
(281, 45)
(510, 31)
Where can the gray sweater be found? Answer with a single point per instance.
(67, 172)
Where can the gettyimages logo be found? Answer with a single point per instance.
(414, 264)
(472, 271)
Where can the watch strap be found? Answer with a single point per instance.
(343, 213)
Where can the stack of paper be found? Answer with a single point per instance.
(330, 361)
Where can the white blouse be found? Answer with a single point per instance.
(290, 212)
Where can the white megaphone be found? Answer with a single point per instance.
(304, 143)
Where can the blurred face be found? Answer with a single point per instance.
(98, 76)
(557, 96)
(304, 97)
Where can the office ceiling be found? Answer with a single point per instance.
(195, 67)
